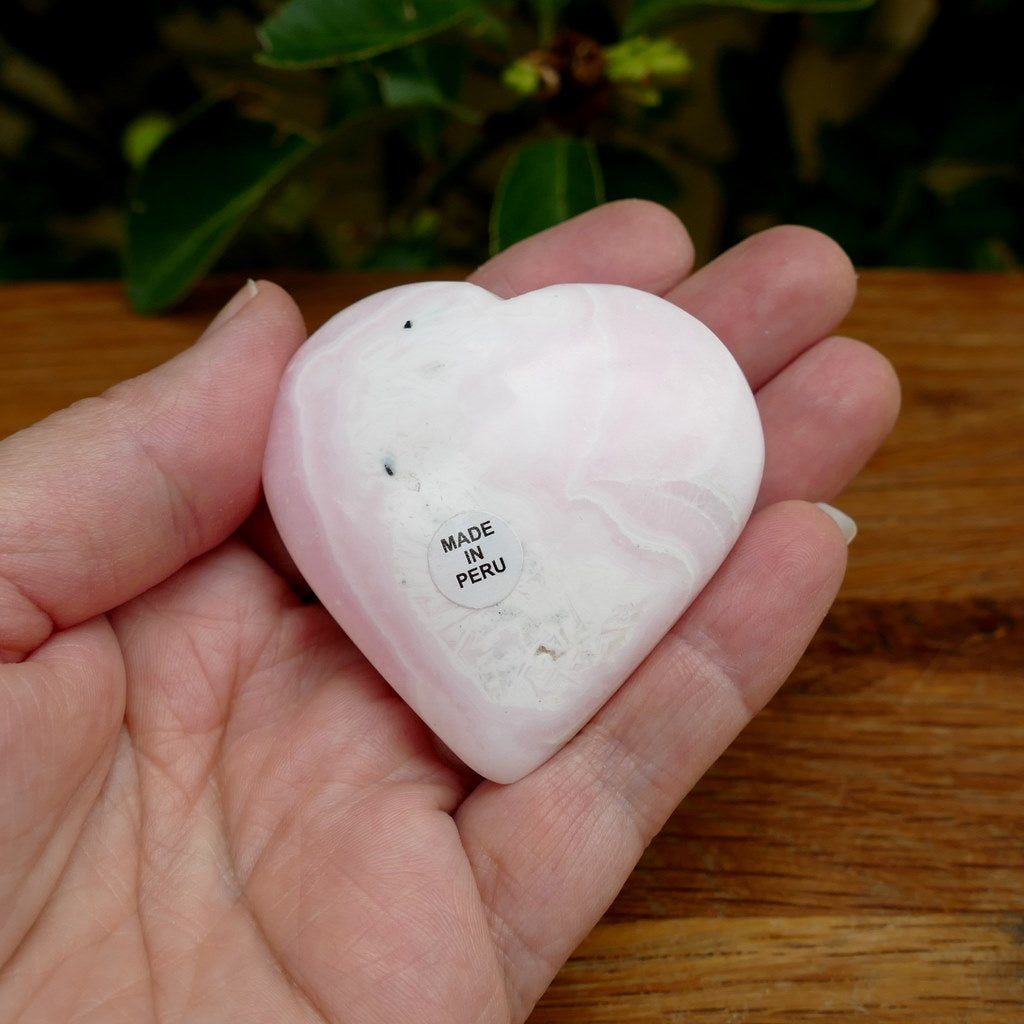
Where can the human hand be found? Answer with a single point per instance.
(213, 809)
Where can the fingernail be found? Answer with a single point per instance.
(234, 305)
(846, 525)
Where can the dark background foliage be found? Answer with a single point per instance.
(897, 128)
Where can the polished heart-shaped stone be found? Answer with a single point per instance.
(507, 503)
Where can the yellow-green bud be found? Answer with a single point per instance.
(522, 77)
(639, 60)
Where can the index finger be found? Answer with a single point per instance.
(631, 242)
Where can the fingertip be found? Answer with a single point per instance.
(772, 296)
(847, 524)
(824, 415)
(232, 308)
(810, 549)
(656, 239)
(771, 594)
(815, 261)
(880, 379)
(869, 404)
(809, 552)
(278, 298)
(259, 310)
(631, 242)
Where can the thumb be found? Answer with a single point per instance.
(107, 498)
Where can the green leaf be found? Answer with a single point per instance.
(425, 76)
(310, 33)
(543, 184)
(631, 173)
(640, 59)
(547, 12)
(143, 135)
(643, 14)
(193, 195)
(353, 91)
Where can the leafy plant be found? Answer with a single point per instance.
(468, 118)
(257, 135)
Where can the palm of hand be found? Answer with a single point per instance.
(292, 831)
(219, 810)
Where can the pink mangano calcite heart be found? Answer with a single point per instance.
(507, 503)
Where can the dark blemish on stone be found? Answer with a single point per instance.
(408, 324)
(388, 468)
(553, 655)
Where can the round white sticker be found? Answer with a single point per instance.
(475, 559)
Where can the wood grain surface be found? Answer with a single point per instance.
(858, 854)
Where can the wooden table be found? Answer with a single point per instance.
(858, 854)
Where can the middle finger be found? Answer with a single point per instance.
(771, 297)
